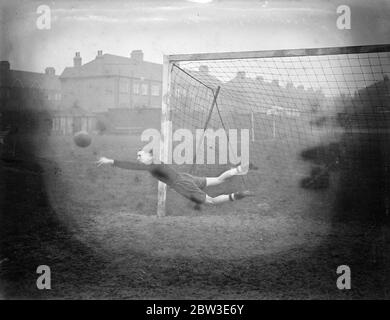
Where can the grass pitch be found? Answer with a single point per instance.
(97, 229)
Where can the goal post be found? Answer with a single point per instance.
(279, 96)
(165, 135)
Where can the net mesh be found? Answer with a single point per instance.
(307, 116)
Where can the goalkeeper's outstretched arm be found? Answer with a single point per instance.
(129, 165)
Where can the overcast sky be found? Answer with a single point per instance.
(180, 26)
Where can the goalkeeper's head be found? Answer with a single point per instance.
(145, 157)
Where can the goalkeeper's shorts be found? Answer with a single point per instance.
(191, 187)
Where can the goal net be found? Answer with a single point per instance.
(302, 114)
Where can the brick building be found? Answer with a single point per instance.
(21, 90)
(111, 81)
(28, 98)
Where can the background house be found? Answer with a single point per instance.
(111, 81)
(28, 90)
(110, 87)
(27, 98)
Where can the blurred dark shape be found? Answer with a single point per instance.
(364, 180)
(31, 232)
(320, 122)
(360, 159)
(21, 165)
(327, 155)
(319, 179)
(197, 207)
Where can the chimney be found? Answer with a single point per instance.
(137, 55)
(77, 60)
(241, 74)
(99, 54)
(204, 69)
(50, 71)
(4, 66)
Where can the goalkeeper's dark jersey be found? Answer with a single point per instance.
(185, 184)
(162, 172)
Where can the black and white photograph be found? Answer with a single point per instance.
(197, 150)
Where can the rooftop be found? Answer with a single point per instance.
(27, 79)
(113, 65)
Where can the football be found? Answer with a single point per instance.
(82, 139)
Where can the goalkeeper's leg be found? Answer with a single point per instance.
(228, 197)
(239, 170)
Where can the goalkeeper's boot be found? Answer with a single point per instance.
(242, 194)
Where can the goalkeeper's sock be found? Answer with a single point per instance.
(240, 195)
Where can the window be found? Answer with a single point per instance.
(155, 90)
(136, 88)
(108, 90)
(124, 85)
(35, 93)
(144, 89)
(4, 93)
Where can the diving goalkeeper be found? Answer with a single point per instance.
(189, 186)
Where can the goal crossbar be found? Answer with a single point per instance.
(278, 53)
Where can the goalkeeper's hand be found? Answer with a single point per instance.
(104, 160)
